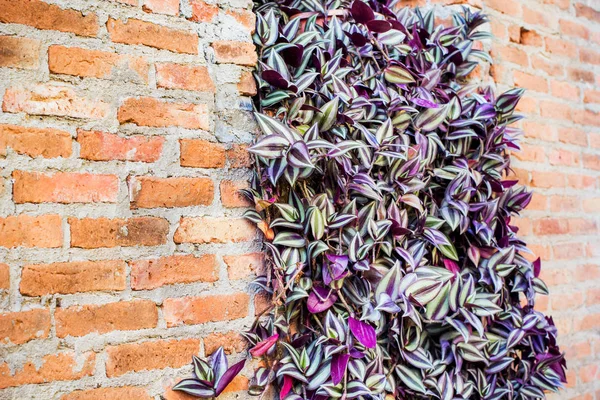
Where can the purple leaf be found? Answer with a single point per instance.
(339, 363)
(228, 376)
(264, 346)
(361, 12)
(286, 387)
(363, 332)
(320, 299)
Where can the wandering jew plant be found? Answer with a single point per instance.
(381, 188)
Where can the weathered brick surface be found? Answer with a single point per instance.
(91, 233)
(104, 146)
(135, 31)
(31, 231)
(113, 393)
(21, 327)
(146, 111)
(198, 310)
(152, 192)
(72, 277)
(214, 230)
(153, 273)
(35, 142)
(186, 77)
(19, 52)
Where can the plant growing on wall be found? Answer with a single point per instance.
(381, 188)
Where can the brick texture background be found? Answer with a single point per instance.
(123, 129)
(122, 138)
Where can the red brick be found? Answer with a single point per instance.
(564, 157)
(134, 357)
(564, 90)
(560, 203)
(119, 316)
(587, 12)
(571, 28)
(580, 181)
(55, 100)
(594, 140)
(169, 7)
(564, 4)
(64, 366)
(588, 322)
(591, 205)
(568, 251)
(514, 55)
(4, 276)
(72, 277)
(157, 272)
(530, 38)
(35, 142)
(232, 342)
(593, 296)
(31, 231)
(548, 65)
(199, 310)
(587, 272)
(135, 31)
(550, 226)
(245, 265)
(21, 327)
(64, 187)
(247, 84)
(561, 47)
(581, 226)
(18, 52)
(569, 301)
(529, 152)
(97, 64)
(148, 111)
(581, 75)
(152, 192)
(233, 52)
(509, 7)
(528, 105)
(104, 146)
(42, 15)
(231, 196)
(589, 373)
(535, 17)
(555, 110)
(238, 156)
(186, 77)
(591, 161)
(538, 202)
(201, 154)
(589, 56)
(591, 96)
(202, 11)
(90, 233)
(529, 81)
(572, 136)
(214, 230)
(579, 350)
(537, 130)
(246, 18)
(556, 276)
(109, 393)
(547, 179)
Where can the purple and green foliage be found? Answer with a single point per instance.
(381, 185)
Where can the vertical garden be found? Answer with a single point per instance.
(381, 186)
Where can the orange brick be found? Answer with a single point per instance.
(232, 342)
(152, 192)
(569, 301)
(119, 316)
(509, 7)
(148, 111)
(239, 157)
(109, 393)
(245, 265)
(568, 251)
(90, 233)
(587, 12)
(21, 327)
(529, 81)
(538, 202)
(571, 28)
(586, 117)
(42, 15)
(19, 52)
(537, 130)
(594, 140)
(593, 297)
(550, 226)
(201, 154)
(104, 146)
(214, 230)
(202, 11)
(564, 157)
(581, 226)
(581, 75)
(196, 310)
(548, 65)
(579, 350)
(263, 302)
(535, 17)
(4, 276)
(530, 38)
(186, 77)
(528, 105)
(134, 357)
(555, 110)
(514, 55)
(169, 7)
(247, 84)
(533, 153)
(31, 231)
(547, 179)
(56, 100)
(572, 136)
(233, 52)
(591, 96)
(72, 277)
(230, 194)
(587, 272)
(591, 205)
(64, 366)
(589, 56)
(97, 64)
(580, 181)
(35, 142)
(561, 47)
(591, 161)
(157, 272)
(555, 277)
(246, 18)
(565, 203)
(589, 373)
(64, 187)
(564, 90)
(135, 31)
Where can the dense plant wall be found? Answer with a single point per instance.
(381, 188)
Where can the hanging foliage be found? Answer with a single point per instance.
(381, 188)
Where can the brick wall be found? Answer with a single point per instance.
(122, 132)
(122, 251)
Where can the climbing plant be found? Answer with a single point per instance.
(381, 184)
